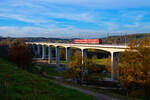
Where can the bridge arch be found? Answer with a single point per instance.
(113, 50)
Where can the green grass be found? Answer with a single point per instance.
(104, 61)
(17, 84)
(61, 61)
(49, 69)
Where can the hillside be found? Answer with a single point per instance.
(125, 38)
(16, 84)
(117, 39)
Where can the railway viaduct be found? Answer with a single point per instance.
(112, 49)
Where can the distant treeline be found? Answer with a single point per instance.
(124, 39)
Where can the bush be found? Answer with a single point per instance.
(4, 48)
(3, 51)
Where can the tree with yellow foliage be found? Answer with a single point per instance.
(134, 65)
(81, 71)
(75, 67)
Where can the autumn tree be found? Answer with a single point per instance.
(134, 65)
(75, 67)
(81, 71)
(20, 54)
(17, 42)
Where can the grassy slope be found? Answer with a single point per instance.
(16, 84)
(49, 69)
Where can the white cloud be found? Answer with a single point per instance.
(37, 12)
(83, 17)
(23, 18)
(68, 32)
(103, 4)
(49, 32)
(135, 25)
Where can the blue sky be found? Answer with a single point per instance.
(73, 18)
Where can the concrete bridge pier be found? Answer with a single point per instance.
(67, 54)
(84, 70)
(114, 63)
(57, 56)
(34, 50)
(31, 47)
(84, 54)
(43, 52)
(50, 55)
(38, 50)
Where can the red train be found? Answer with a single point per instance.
(88, 41)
